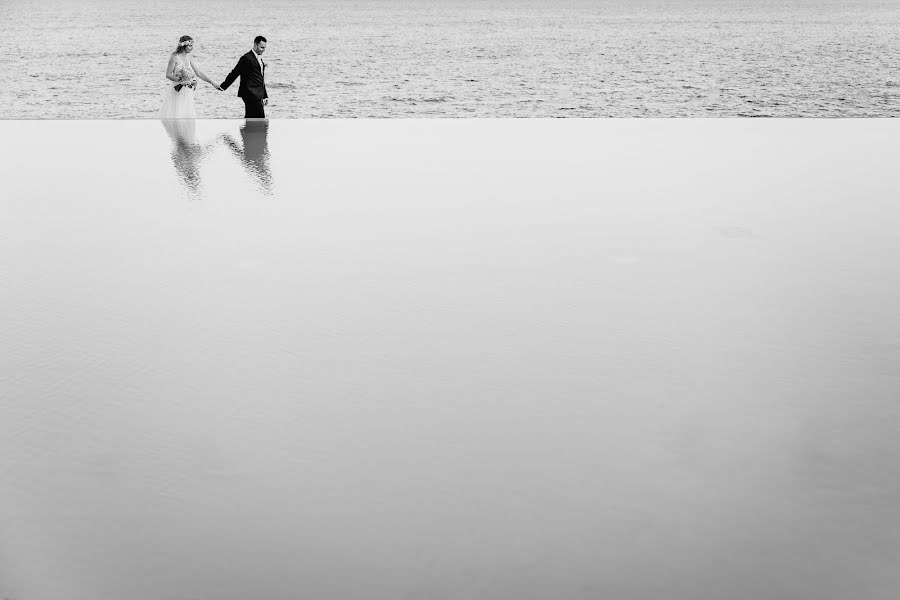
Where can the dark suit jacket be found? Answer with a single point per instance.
(253, 84)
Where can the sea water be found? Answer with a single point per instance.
(461, 58)
(372, 359)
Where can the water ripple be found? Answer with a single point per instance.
(382, 58)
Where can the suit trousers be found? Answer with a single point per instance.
(253, 108)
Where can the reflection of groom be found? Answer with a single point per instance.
(252, 90)
(254, 151)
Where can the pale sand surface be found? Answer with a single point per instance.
(450, 359)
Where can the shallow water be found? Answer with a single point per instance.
(449, 359)
(461, 58)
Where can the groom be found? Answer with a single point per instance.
(252, 71)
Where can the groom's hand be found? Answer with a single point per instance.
(265, 101)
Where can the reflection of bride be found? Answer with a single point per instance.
(187, 152)
(253, 152)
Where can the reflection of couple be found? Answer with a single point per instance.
(182, 71)
(188, 153)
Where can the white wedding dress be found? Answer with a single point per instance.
(179, 104)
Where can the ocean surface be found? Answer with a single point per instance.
(450, 359)
(67, 59)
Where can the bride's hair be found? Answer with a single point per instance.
(182, 42)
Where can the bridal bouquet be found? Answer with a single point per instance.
(185, 80)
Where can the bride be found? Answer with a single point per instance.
(178, 99)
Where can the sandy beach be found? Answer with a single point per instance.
(491, 359)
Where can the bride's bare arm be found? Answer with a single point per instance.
(170, 70)
(202, 75)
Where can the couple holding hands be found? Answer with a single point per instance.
(183, 72)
